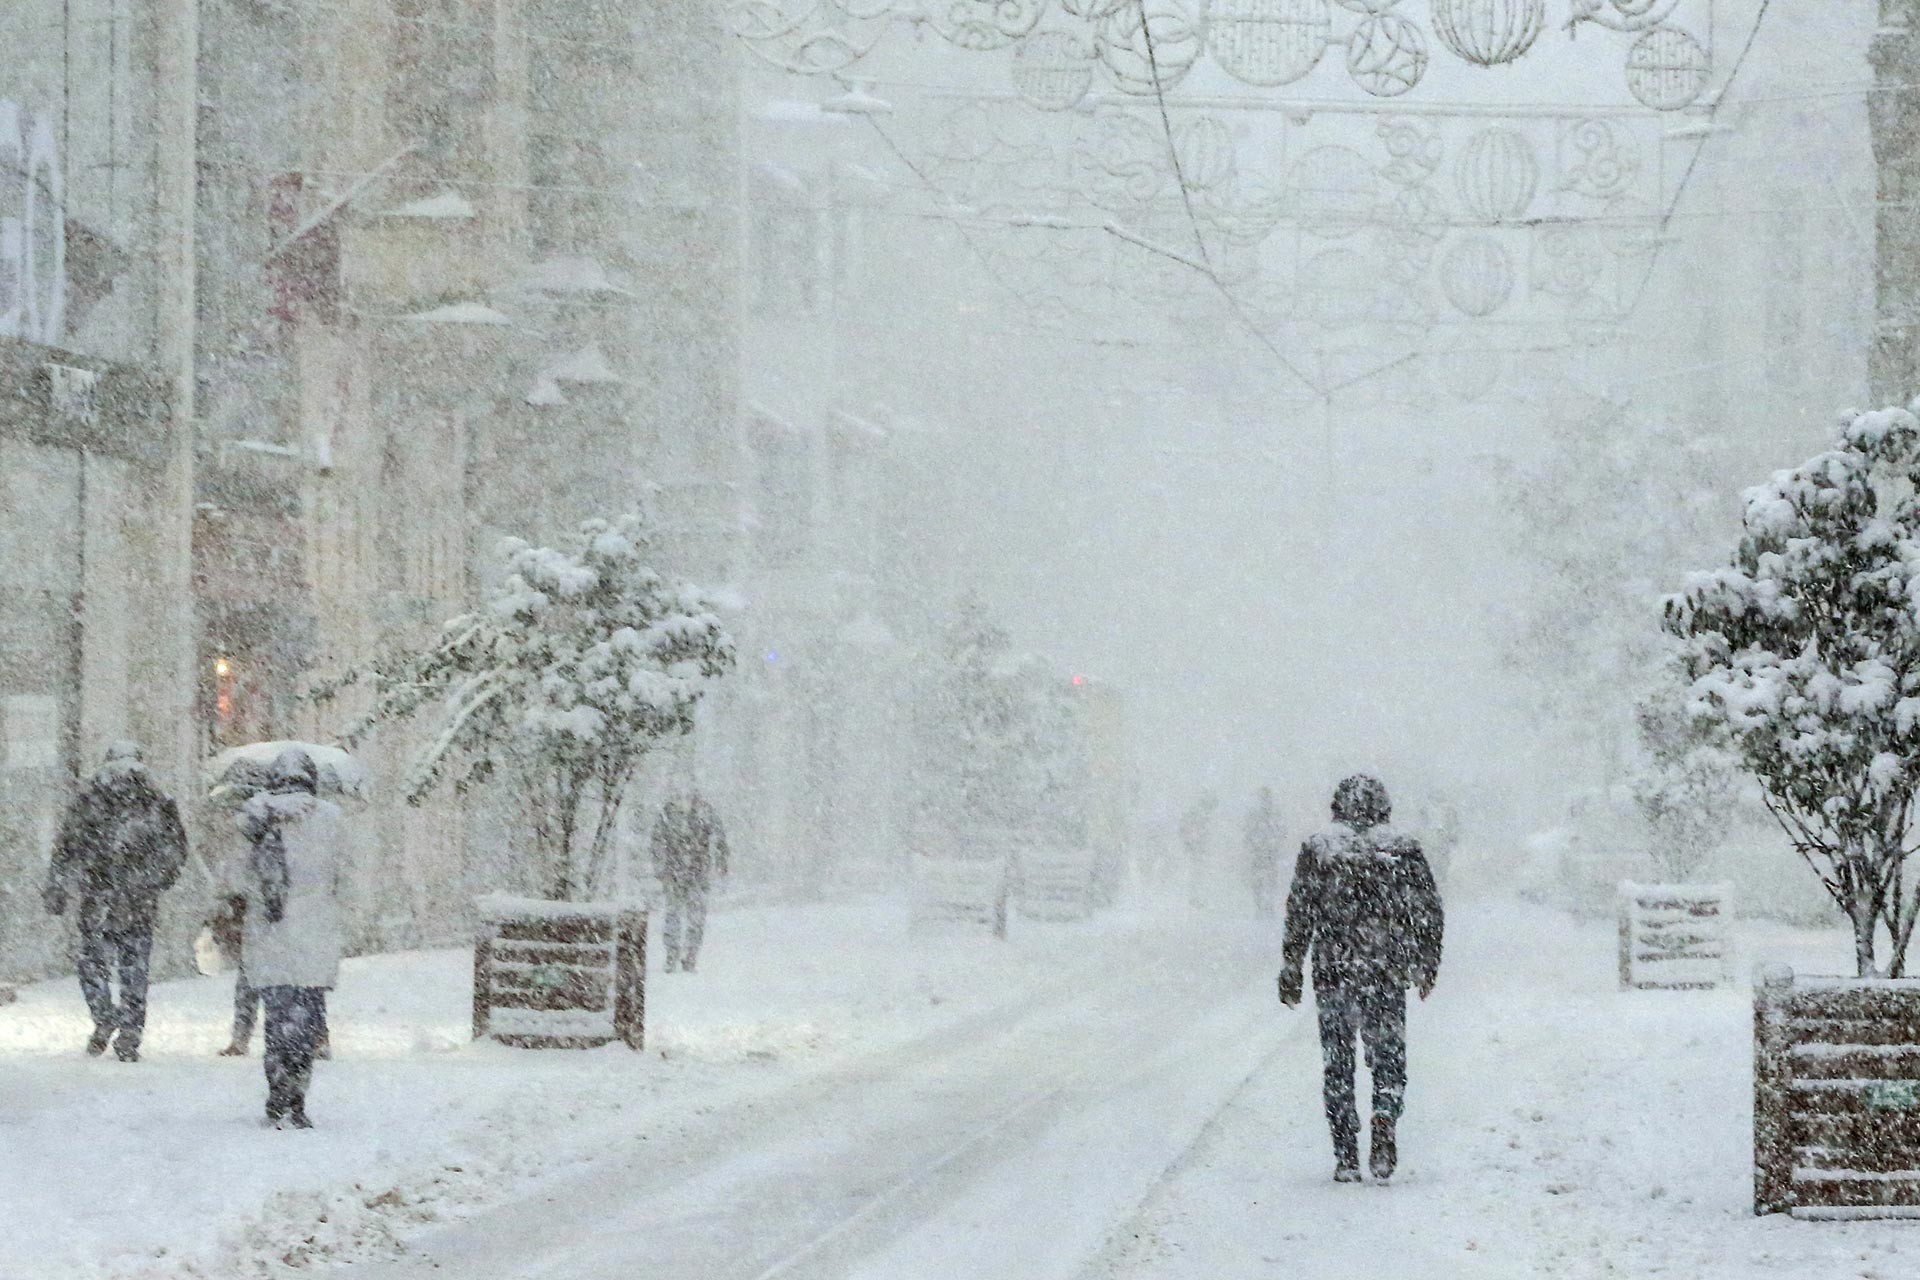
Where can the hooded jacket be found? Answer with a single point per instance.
(1363, 901)
(290, 878)
(121, 845)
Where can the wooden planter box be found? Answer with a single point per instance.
(1836, 1096)
(559, 975)
(1675, 937)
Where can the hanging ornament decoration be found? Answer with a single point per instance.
(1141, 67)
(1205, 148)
(1053, 70)
(1333, 192)
(981, 25)
(1568, 260)
(1386, 55)
(1477, 275)
(1411, 225)
(1667, 69)
(1596, 161)
(1622, 15)
(1268, 42)
(1489, 33)
(1414, 149)
(1124, 165)
(1497, 175)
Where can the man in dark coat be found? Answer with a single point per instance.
(120, 847)
(689, 851)
(1364, 902)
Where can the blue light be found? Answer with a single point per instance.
(773, 658)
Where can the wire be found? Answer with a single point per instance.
(1193, 220)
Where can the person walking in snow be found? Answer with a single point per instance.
(1196, 841)
(120, 846)
(1364, 903)
(1262, 837)
(689, 852)
(291, 934)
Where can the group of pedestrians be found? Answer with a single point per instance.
(122, 845)
(277, 913)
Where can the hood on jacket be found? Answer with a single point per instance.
(1361, 802)
(294, 771)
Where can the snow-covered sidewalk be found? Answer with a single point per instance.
(1557, 1129)
(161, 1169)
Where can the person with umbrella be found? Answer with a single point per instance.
(292, 936)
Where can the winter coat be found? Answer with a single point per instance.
(689, 847)
(120, 846)
(290, 878)
(1364, 903)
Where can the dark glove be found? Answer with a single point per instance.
(1424, 984)
(55, 900)
(1292, 988)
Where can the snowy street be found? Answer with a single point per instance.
(1110, 1100)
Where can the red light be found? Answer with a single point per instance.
(1079, 680)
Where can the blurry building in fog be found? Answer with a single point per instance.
(468, 270)
(94, 610)
(837, 485)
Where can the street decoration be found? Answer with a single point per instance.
(1065, 50)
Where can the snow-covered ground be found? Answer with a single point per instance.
(832, 1096)
(1556, 1127)
(161, 1169)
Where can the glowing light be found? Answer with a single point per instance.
(221, 666)
(1078, 681)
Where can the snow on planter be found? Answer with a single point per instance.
(1675, 936)
(559, 975)
(1836, 1096)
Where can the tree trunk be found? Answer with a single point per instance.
(1863, 924)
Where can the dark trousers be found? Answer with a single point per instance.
(1378, 1015)
(685, 926)
(296, 1020)
(246, 1005)
(128, 948)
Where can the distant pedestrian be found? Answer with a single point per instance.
(120, 847)
(689, 854)
(1196, 841)
(290, 933)
(1364, 903)
(1263, 836)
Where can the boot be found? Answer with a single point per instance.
(1346, 1157)
(97, 1042)
(237, 1049)
(126, 1047)
(1383, 1154)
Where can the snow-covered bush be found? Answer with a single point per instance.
(583, 659)
(1806, 650)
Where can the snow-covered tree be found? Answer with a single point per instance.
(1613, 510)
(1687, 788)
(1806, 650)
(581, 661)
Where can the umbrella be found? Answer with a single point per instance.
(236, 774)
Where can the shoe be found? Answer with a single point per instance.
(297, 1119)
(1383, 1154)
(234, 1050)
(126, 1050)
(97, 1042)
(671, 964)
(686, 966)
(1347, 1173)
